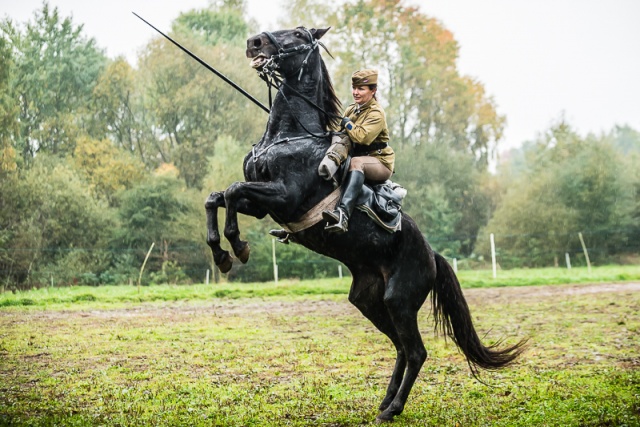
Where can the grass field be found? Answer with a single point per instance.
(78, 296)
(299, 354)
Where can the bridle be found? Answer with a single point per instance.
(269, 72)
(273, 62)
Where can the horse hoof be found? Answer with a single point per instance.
(382, 418)
(243, 254)
(388, 413)
(225, 264)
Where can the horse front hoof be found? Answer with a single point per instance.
(225, 263)
(243, 253)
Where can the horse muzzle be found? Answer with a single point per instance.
(257, 50)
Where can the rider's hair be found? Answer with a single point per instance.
(374, 87)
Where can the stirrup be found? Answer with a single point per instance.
(280, 235)
(341, 226)
(332, 217)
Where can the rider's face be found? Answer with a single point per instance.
(362, 94)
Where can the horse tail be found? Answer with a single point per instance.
(453, 318)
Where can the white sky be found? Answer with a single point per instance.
(538, 59)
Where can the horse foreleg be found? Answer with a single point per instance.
(216, 200)
(220, 257)
(252, 198)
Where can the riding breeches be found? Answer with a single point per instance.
(372, 168)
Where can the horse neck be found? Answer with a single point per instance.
(290, 108)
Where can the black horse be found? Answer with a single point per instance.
(393, 273)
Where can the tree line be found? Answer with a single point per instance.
(99, 157)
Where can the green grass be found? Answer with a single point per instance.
(79, 296)
(548, 276)
(299, 354)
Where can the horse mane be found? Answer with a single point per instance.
(330, 101)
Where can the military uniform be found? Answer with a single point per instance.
(366, 127)
(369, 132)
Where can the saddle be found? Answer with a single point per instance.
(383, 204)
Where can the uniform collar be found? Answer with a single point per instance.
(359, 108)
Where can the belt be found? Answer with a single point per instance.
(360, 150)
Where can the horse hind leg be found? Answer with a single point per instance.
(371, 305)
(220, 257)
(403, 299)
(416, 354)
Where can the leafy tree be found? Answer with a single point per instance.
(569, 185)
(162, 211)
(8, 109)
(626, 139)
(427, 101)
(223, 23)
(107, 169)
(52, 214)
(445, 197)
(56, 70)
(190, 105)
(116, 112)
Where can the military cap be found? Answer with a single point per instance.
(364, 78)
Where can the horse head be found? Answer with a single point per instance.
(285, 51)
(291, 60)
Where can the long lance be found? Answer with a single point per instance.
(207, 66)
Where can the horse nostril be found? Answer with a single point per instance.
(257, 42)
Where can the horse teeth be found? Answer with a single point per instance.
(258, 61)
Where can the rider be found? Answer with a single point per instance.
(372, 157)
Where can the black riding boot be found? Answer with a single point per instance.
(338, 219)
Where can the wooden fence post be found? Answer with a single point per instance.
(586, 254)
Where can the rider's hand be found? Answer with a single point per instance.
(346, 123)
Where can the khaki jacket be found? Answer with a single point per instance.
(370, 127)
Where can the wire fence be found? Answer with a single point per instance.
(269, 261)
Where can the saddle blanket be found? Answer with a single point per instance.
(381, 202)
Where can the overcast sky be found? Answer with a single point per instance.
(539, 59)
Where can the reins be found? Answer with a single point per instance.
(256, 155)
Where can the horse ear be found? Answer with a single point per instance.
(318, 33)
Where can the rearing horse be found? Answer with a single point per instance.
(393, 273)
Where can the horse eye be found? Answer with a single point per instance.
(297, 34)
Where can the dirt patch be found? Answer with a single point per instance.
(542, 292)
(327, 307)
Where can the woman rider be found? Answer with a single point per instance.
(372, 157)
